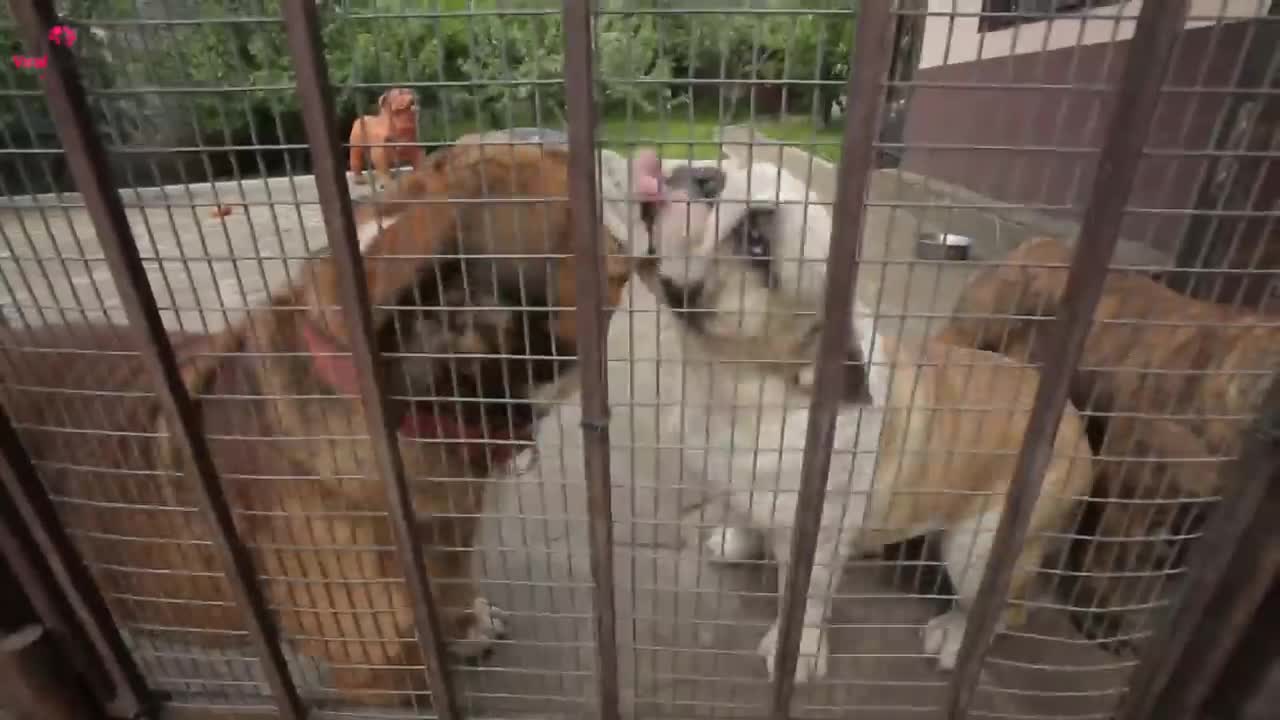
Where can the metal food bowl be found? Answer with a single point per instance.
(942, 246)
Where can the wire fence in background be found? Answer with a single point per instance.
(171, 166)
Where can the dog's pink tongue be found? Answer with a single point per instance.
(648, 174)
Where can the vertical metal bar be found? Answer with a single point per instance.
(1134, 106)
(87, 160)
(1235, 564)
(302, 27)
(584, 207)
(869, 63)
(55, 577)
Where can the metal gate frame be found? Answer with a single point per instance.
(1192, 645)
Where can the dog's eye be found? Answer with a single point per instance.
(752, 237)
(757, 243)
(648, 214)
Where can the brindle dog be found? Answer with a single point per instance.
(1168, 383)
(277, 399)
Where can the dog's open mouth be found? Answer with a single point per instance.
(470, 349)
(464, 358)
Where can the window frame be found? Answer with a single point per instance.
(1010, 18)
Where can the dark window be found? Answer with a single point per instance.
(1000, 14)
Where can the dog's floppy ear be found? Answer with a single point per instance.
(411, 98)
(387, 99)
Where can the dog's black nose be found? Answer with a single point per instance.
(681, 297)
(702, 183)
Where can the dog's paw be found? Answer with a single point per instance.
(811, 664)
(806, 377)
(485, 624)
(943, 636)
(734, 544)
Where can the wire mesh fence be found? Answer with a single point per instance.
(326, 441)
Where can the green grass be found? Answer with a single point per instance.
(674, 137)
(679, 136)
(799, 131)
(696, 139)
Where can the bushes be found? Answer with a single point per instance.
(25, 123)
(475, 63)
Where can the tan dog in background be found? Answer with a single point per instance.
(278, 398)
(926, 438)
(1168, 383)
(396, 122)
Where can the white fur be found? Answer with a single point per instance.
(489, 625)
(878, 370)
(621, 215)
(756, 413)
(734, 544)
(369, 231)
(687, 238)
(758, 410)
(965, 549)
(761, 479)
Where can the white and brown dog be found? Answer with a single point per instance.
(926, 441)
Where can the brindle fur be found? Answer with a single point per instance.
(1163, 378)
(293, 460)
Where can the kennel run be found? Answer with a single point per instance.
(610, 607)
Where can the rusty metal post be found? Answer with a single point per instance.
(35, 682)
(869, 63)
(302, 26)
(1134, 106)
(53, 575)
(90, 168)
(591, 314)
(1233, 567)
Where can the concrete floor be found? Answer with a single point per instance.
(687, 630)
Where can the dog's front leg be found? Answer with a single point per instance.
(833, 549)
(471, 624)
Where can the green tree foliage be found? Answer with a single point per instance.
(474, 63)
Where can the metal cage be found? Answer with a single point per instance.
(168, 163)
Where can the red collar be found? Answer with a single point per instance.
(424, 421)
